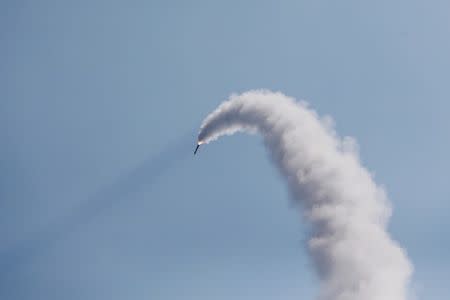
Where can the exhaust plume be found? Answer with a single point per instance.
(353, 254)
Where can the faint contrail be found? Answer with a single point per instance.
(143, 175)
(353, 254)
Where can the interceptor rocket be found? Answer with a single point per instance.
(196, 149)
(198, 145)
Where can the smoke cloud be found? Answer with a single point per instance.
(353, 254)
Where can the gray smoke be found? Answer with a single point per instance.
(354, 256)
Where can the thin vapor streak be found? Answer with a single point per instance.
(143, 175)
(354, 256)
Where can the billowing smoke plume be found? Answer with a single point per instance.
(353, 254)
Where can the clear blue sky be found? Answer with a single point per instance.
(100, 195)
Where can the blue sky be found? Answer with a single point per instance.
(101, 197)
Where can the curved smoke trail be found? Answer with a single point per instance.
(354, 256)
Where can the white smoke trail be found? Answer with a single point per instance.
(354, 256)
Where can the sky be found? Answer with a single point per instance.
(101, 101)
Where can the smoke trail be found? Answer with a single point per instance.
(353, 254)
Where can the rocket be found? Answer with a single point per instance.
(198, 145)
